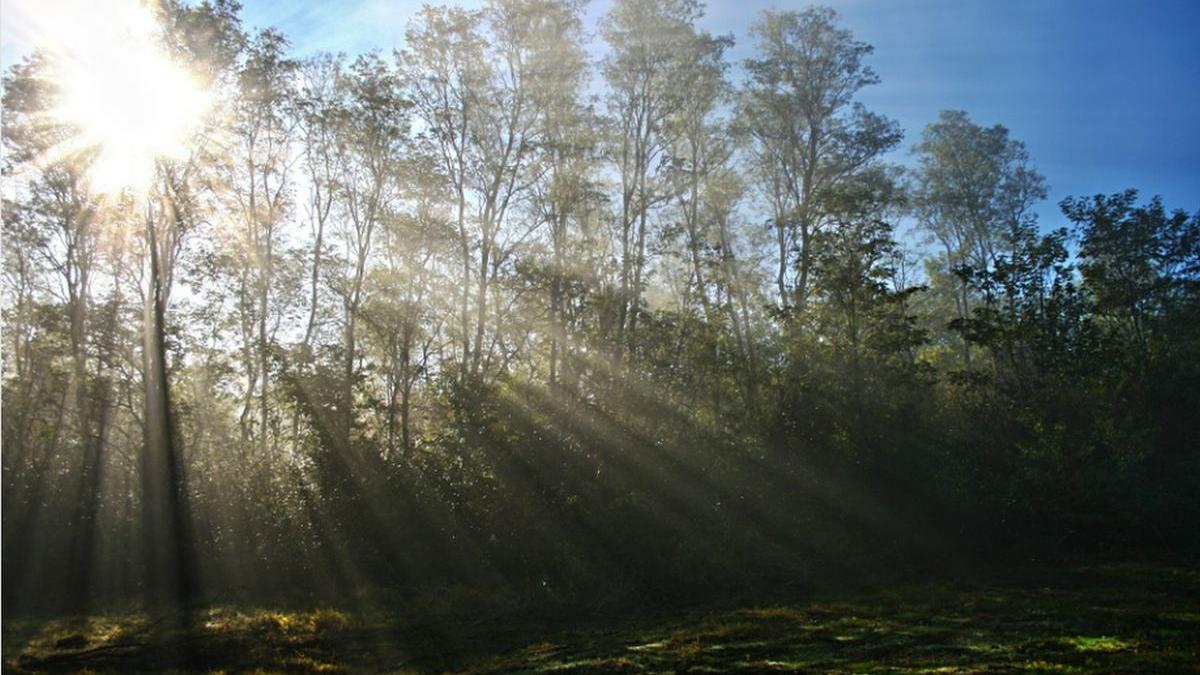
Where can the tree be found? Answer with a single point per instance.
(853, 270)
(260, 184)
(566, 193)
(698, 152)
(974, 194)
(58, 222)
(1140, 263)
(369, 159)
(808, 134)
(443, 68)
(648, 41)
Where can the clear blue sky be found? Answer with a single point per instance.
(1105, 93)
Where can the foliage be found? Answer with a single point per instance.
(447, 317)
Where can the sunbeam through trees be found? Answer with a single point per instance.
(544, 315)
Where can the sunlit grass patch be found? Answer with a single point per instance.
(1099, 644)
(713, 631)
(967, 631)
(688, 650)
(542, 649)
(988, 648)
(784, 613)
(774, 664)
(598, 665)
(860, 622)
(931, 630)
(1040, 666)
(317, 621)
(312, 622)
(1184, 617)
(79, 633)
(307, 664)
(739, 646)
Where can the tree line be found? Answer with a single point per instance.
(488, 310)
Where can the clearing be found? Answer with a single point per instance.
(1111, 618)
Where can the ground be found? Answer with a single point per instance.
(1104, 619)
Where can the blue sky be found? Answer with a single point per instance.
(1105, 93)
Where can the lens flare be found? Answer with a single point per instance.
(127, 99)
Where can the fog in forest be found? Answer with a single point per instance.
(552, 324)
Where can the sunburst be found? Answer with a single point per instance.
(127, 101)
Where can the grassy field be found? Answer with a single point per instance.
(1106, 619)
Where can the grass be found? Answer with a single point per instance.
(1111, 619)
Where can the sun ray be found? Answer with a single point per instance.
(126, 100)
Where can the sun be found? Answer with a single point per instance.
(124, 96)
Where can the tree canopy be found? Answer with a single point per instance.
(487, 311)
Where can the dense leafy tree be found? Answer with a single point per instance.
(974, 194)
(809, 133)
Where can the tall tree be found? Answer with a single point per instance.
(59, 221)
(369, 159)
(698, 151)
(567, 192)
(975, 189)
(648, 41)
(809, 135)
(260, 184)
(444, 68)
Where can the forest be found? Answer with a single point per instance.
(536, 318)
